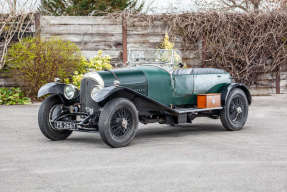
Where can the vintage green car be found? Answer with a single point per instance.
(114, 102)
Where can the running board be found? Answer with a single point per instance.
(194, 110)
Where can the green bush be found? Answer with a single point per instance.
(36, 62)
(13, 96)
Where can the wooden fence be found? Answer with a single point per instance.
(115, 37)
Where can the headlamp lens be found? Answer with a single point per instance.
(69, 92)
(94, 92)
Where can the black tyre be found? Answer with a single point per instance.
(235, 112)
(118, 122)
(49, 109)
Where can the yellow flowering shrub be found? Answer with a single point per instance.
(76, 79)
(100, 62)
(166, 44)
(97, 63)
(167, 55)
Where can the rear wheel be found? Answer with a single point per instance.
(49, 110)
(235, 112)
(118, 122)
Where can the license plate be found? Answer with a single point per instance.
(65, 125)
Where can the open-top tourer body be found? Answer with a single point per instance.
(113, 102)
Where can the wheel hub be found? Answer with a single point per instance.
(124, 123)
(121, 123)
(239, 110)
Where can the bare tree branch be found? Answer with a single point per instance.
(241, 5)
(246, 45)
(14, 23)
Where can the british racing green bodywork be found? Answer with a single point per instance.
(165, 87)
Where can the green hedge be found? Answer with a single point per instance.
(12, 96)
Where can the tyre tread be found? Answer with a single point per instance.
(223, 115)
(43, 121)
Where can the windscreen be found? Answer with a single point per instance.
(163, 57)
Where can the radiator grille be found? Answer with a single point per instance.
(85, 96)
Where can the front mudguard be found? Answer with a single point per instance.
(232, 86)
(106, 92)
(56, 88)
(142, 102)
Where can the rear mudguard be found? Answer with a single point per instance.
(232, 86)
(55, 88)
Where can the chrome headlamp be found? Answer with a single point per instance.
(95, 91)
(70, 92)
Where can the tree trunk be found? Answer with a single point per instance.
(256, 4)
(283, 4)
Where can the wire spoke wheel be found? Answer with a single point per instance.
(235, 112)
(121, 122)
(237, 109)
(118, 122)
(54, 113)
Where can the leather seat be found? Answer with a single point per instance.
(198, 71)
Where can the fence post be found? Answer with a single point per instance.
(203, 50)
(124, 39)
(37, 25)
(278, 80)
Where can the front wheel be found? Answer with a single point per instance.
(235, 112)
(49, 110)
(118, 122)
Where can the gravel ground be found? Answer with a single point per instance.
(200, 157)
